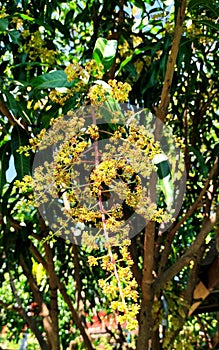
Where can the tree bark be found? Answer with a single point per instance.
(146, 321)
(53, 297)
(67, 299)
(190, 211)
(161, 110)
(185, 259)
(29, 320)
(44, 311)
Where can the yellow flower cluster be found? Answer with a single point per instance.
(100, 93)
(114, 177)
(119, 91)
(25, 33)
(3, 13)
(144, 140)
(75, 71)
(120, 287)
(36, 48)
(59, 97)
(94, 69)
(139, 65)
(25, 185)
(93, 131)
(36, 141)
(18, 22)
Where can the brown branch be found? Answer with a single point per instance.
(32, 324)
(185, 259)
(161, 110)
(146, 319)
(193, 278)
(147, 278)
(133, 250)
(44, 311)
(190, 211)
(66, 297)
(53, 288)
(77, 277)
(4, 110)
(38, 256)
(12, 120)
(10, 307)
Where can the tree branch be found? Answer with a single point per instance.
(47, 323)
(161, 110)
(54, 309)
(66, 297)
(12, 120)
(190, 211)
(32, 324)
(208, 225)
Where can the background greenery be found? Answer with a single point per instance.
(38, 41)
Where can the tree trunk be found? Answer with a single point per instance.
(146, 321)
(44, 311)
(68, 301)
(53, 297)
(29, 320)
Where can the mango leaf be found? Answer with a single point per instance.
(15, 36)
(140, 4)
(209, 24)
(35, 20)
(105, 52)
(26, 17)
(15, 107)
(19, 137)
(165, 178)
(202, 166)
(215, 150)
(208, 4)
(3, 24)
(4, 163)
(129, 58)
(51, 80)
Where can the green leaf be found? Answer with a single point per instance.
(51, 80)
(129, 58)
(194, 4)
(26, 17)
(3, 24)
(4, 163)
(140, 4)
(15, 36)
(12, 103)
(165, 178)
(15, 107)
(35, 20)
(202, 166)
(209, 24)
(19, 137)
(105, 52)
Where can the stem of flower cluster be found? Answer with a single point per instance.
(103, 217)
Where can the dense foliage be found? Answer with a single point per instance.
(61, 55)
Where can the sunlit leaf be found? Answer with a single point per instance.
(51, 80)
(3, 24)
(105, 52)
(14, 36)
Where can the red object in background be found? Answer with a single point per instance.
(100, 322)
